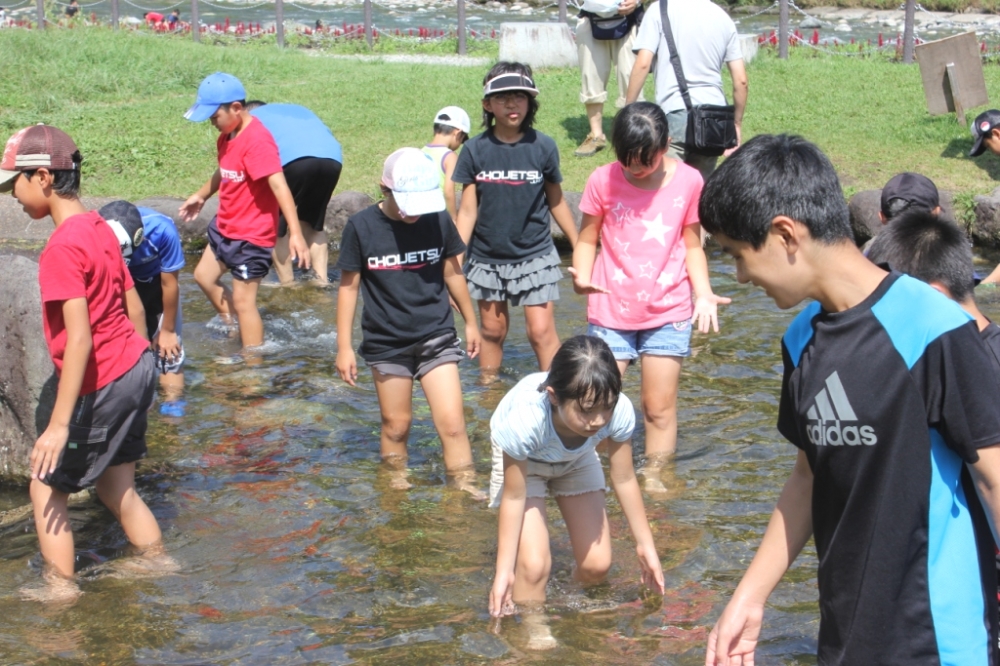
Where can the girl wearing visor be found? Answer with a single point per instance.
(510, 183)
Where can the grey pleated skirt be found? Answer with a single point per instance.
(533, 282)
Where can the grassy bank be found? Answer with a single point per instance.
(125, 93)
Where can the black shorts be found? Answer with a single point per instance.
(244, 260)
(312, 181)
(422, 357)
(151, 295)
(108, 428)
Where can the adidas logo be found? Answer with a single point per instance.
(831, 407)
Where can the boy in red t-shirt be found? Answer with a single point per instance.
(251, 189)
(94, 327)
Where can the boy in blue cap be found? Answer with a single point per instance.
(891, 400)
(252, 189)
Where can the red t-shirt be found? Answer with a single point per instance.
(248, 209)
(82, 259)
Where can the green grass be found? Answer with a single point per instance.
(124, 96)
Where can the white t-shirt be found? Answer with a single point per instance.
(522, 425)
(706, 39)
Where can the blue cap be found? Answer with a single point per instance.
(217, 89)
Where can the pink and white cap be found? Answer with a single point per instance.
(415, 182)
(36, 147)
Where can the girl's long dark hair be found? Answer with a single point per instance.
(639, 132)
(585, 370)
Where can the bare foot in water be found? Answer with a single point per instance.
(149, 562)
(659, 477)
(540, 637)
(466, 482)
(53, 589)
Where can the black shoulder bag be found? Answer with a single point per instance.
(615, 27)
(711, 129)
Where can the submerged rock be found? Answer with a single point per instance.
(481, 644)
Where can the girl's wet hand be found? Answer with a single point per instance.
(585, 287)
(347, 366)
(706, 312)
(502, 595)
(473, 340)
(652, 570)
(734, 637)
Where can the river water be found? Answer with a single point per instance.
(295, 550)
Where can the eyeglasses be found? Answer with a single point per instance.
(506, 97)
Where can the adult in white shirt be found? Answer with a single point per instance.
(706, 40)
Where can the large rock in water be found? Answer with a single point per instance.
(27, 376)
(865, 206)
(986, 227)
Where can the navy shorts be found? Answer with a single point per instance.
(244, 260)
(312, 181)
(108, 428)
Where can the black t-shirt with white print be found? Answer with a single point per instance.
(513, 222)
(889, 401)
(402, 278)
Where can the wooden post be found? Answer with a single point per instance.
(911, 10)
(562, 11)
(114, 14)
(462, 50)
(783, 29)
(195, 22)
(368, 23)
(956, 93)
(40, 6)
(279, 24)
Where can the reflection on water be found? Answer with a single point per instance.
(295, 549)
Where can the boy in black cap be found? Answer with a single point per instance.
(986, 133)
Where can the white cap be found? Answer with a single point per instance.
(415, 182)
(454, 116)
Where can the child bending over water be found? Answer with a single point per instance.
(545, 433)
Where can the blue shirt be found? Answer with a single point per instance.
(298, 132)
(160, 250)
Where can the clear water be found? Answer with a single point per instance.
(294, 550)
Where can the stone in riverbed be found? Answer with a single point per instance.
(481, 644)
(810, 23)
(27, 377)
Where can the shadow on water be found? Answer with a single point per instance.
(296, 550)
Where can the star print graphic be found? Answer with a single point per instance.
(622, 248)
(656, 229)
(623, 306)
(665, 280)
(646, 269)
(679, 202)
(620, 276)
(621, 213)
(642, 296)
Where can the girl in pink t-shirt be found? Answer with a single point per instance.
(644, 211)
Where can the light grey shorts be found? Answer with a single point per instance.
(532, 282)
(576, 477)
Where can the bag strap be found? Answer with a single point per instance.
(675, 58)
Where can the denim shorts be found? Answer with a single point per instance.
(668, 340)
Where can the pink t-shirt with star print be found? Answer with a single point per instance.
(642, 260)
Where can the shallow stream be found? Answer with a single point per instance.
(295, 550)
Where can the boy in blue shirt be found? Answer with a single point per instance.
(311, 159)
(155, 264)
(890, 397)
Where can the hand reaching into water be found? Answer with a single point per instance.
(502, 595)
(706, 312)
(652, 571)
(347, 365)
(734, 637)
